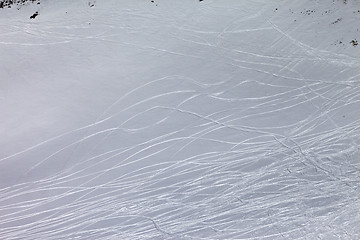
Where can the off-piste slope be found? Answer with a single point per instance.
(180, 120)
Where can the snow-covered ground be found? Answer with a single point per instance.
(182, 119)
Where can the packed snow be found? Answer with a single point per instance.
(183, 119)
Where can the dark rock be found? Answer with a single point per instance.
(34, 15)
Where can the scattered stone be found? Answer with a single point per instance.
(308, 12)
(34, 15)
(354, 42)
(337, 20)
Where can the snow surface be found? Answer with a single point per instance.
(180, 120)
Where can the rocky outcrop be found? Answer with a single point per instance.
(10, 3)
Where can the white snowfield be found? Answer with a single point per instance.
(132, 119)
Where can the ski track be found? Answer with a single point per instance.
(187, 157)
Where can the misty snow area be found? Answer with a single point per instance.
(165, 119)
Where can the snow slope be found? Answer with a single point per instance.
(180, 120)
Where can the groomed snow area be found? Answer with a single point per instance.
(169, 119)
